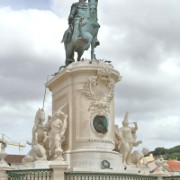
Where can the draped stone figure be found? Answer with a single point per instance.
(126, 139)
(56, 128)
(82, 31)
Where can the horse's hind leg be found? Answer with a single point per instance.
(93, 45)
(80, 53)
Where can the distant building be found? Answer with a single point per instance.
(14, 160)
(173, 165)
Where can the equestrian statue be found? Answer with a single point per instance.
(82, 31)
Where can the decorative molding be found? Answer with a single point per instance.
(99, 90)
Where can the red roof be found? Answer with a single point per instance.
(174, 165)
(14, 158)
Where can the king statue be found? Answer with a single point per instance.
(82, 31)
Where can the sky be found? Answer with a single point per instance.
(140, 37)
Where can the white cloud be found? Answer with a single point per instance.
(160, 131)
(30, 49)
(140, 38)
(170, 67)
(37, 31)
(61, 7)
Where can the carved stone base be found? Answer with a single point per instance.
(88, 89)
(35, 165)
(3, 163)
(59, 167)
(94, 160)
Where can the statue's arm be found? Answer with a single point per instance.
(137, 143)
(63, 128)
(135, 126)
(72, 14)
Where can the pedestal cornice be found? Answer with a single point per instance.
(82, 67)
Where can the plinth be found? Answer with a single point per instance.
(86, 90)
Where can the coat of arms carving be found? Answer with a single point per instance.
(99, 90)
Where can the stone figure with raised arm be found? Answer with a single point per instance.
(56, 127)
(82, 31)
(128, 136)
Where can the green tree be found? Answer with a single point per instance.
(173, 156)
(159, 151)
(175, 149)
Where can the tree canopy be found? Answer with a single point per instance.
(171, 153)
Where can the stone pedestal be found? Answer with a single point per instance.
(35, 165)
(95, 160)
(88, 90)
(3, 163)
(3, 175)
(3, 168)
(59, 167)
(41, 164)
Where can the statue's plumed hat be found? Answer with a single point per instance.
(125, 119)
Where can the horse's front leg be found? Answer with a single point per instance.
(69, 53)
(93, 56)
(92, 53)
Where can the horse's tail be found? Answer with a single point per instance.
(64, 37)
(67, 36)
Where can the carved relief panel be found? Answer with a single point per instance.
(99, 90)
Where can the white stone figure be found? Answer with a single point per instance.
(38, 131)
(118, 138)
(137, 156)
(128, 139)
(38, 151)
(3, 155)
(47, 129)
(56, 127)
(161, 168)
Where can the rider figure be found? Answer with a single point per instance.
(78, 12)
